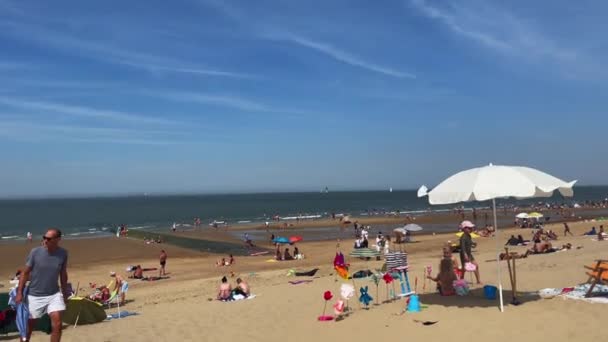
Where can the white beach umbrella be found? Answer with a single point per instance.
(522, 215)
(497, 181)
(412, 227)
(400, 230)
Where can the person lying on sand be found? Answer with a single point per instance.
(225, 291)
(513, 255)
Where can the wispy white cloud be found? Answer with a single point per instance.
(267, 31)
(86, 112)
(498, 30)
(187, 70)
(40, 132)
(233, 102)
(213, 99)
(340, 55)
(95, 49)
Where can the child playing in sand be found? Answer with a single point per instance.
(445, 279)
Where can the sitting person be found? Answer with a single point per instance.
(513, 241)
(286, 255)
(445, 279)
(541, 247)
(447, 254)
(242, 288)
(521, 241)
(225, 291)
(230, 260)
(296, 254)
(278, 256)
(591, 232)
(600, 234)
(551, 235)
(138, 272)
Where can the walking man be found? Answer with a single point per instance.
(163, 262)
(44, 265)
(567, 230)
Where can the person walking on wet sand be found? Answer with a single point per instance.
(163, 262)
(567, 230)
(44, 266)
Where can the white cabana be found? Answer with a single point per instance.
(497, 181)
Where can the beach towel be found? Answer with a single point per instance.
(362, 274)
(578, 292)
(310, 273)
(298, 282)
(122, 314)
(153, 278)
(237, 298)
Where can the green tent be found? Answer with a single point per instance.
(81, 310)
(43, 324)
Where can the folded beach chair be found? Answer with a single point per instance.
(598, 275)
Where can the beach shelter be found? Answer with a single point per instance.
(412, 227)
(535, 215)
(522, 216)
(497, 181)
(294, 239)
(81, 310)
(473, 235)
(281, 240)
(400, 230)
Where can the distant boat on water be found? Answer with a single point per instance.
(326, 190)
(390, 190)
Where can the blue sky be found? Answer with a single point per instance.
(229, 96)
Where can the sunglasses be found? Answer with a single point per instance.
(46, 238)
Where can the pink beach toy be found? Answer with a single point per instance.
(325, 318)
(470, 267)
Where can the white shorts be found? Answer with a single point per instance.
(39, 306)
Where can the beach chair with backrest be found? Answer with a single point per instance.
(598, 274)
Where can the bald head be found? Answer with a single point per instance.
(53, 232)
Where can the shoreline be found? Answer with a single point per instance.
(194, 279)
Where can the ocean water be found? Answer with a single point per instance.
(83, 217)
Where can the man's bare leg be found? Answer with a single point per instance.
(55, 326)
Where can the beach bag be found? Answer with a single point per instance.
(461, 287)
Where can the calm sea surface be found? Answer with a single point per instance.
(81, 217)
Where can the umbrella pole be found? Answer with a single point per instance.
(502, 309)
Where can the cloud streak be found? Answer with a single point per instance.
(341, 55)
(38, 132)
(232, 102)
(119, 55)
(86, 112)
(497, 30)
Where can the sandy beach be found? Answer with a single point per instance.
(181, 307)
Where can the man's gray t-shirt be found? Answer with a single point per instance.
(45, 267)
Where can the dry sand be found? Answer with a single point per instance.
(179, 309)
